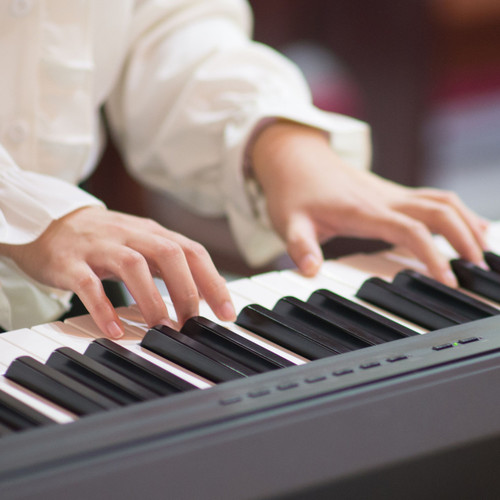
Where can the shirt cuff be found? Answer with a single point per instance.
(30, 201)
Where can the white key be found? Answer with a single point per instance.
(85, 324)
(344, 273)
(255, 294)
(206, 312)
(401, 261)
(292, 283)
(134, 326)
(281, 286)
(318, 282)
(65, 335)
(9, 351)
(239, 301)
(380, 265)
(493, 236)
(35, 344)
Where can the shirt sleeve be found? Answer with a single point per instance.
(193, 90)
(29, 202)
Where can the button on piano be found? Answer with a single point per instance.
(370, 380)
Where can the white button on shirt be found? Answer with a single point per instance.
(183, 87)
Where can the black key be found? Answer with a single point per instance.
(284, 331)
(227, 342)
(99, 377)
(406, 305)
(443, 295)
(57, 387)
(378, 325)
(341, 334)
(193, 355)
(493, 260)
(17, 416)
(136, 368)
(475, 279)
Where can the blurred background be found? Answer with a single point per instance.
(424, 73)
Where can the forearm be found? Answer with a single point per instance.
(277, 147)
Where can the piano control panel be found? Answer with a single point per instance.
(335, 376)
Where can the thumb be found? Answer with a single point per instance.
(302, 244)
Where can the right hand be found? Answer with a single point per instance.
(313, 195)
(88, 245)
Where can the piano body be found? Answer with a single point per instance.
(417, 417)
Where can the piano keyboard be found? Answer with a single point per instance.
(48, 363)
(363, 318)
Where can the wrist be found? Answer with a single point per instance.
(278, 143)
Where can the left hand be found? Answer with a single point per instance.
(89, 244)
(313, 195)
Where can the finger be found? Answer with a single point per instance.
(211, 284)
(176, 274)
(476, 224)
(168, 258)
(447, 221)
(208, 281)
(89, 289)
(131, 267)
(302, 244)
(399, 229)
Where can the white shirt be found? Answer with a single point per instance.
(183, 87)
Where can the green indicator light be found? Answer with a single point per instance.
(455, 343)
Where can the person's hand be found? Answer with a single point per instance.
(79, 250)
(312, 195)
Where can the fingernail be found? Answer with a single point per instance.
(310, 264)
(450, 279)
(227, 312)
(114, 330)
(482, 264)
